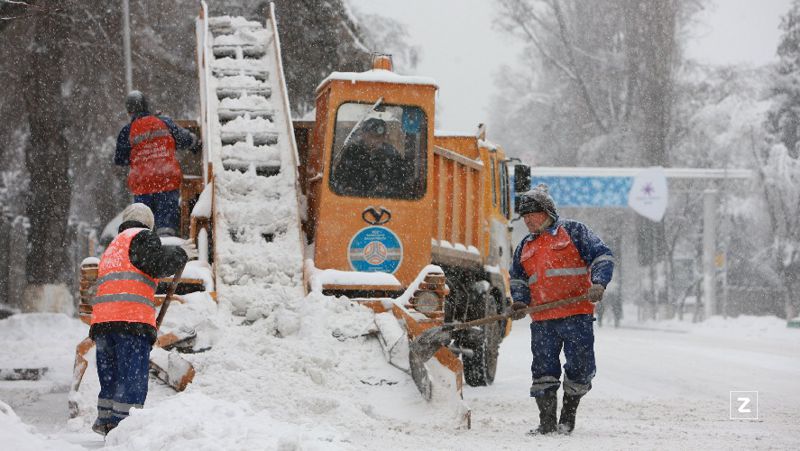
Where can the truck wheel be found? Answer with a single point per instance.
(479, 370)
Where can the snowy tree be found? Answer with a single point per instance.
(596, 90)
(65, 75)
(779, 164)
(40, 28)
(602, 77)
(784, 120)
(385, 35)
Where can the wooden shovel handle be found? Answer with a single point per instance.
(528, 311)
(170, 292)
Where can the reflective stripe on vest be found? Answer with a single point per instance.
(152, 134)
(124, 293)
(127, 275)
(556, 272)
(123, 297)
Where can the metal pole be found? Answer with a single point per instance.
(126, 44)
(709, 250)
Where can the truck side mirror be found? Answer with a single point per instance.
(522, 178)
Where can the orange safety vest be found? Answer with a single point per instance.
(154, 167)
(556, 271)
(124, 293)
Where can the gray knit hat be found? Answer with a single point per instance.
(536, 200)
(140, 213)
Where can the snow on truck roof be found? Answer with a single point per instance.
(379, 76)
(454, 134)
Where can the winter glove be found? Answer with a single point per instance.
(595, 293)
(518, 310)
(197, 143)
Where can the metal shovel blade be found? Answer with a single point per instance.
(429, 341)
(420, 351)
(420, 375)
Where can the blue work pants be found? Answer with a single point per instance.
(575, 335)
(123, 361)
(165, 206)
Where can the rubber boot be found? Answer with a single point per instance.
(547, 413)
(569, 408)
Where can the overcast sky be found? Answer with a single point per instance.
(461, 49)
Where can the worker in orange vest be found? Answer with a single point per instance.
(148, 144)
(559, 259)
(124, 315)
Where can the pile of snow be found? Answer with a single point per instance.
(16, 435)
(307, 375)
(41, 340)
(197, 269)
(743, 326)
(55, 298)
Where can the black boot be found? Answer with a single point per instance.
(547, 413)
(569, 408)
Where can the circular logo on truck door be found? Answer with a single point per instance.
(375, 249)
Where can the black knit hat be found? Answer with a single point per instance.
(136, 103)
(536, 200)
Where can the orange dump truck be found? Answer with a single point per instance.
(419, 198)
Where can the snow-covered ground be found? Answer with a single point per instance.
(285, 382)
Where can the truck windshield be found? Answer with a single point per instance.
(379, 151)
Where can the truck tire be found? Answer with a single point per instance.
(479, 370)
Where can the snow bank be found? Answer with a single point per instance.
(37, 340)
(743, 326)
(16, 435)
(197, 269)
(215, 424)
(306, 376)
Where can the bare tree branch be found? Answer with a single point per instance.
(565, 39)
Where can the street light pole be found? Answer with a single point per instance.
(126, 44)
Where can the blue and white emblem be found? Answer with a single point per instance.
(375, 249)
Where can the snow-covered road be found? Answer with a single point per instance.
(659, 386)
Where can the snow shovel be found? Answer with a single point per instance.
(425, 345)
(171, 368)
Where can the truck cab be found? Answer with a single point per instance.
(368, 172)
